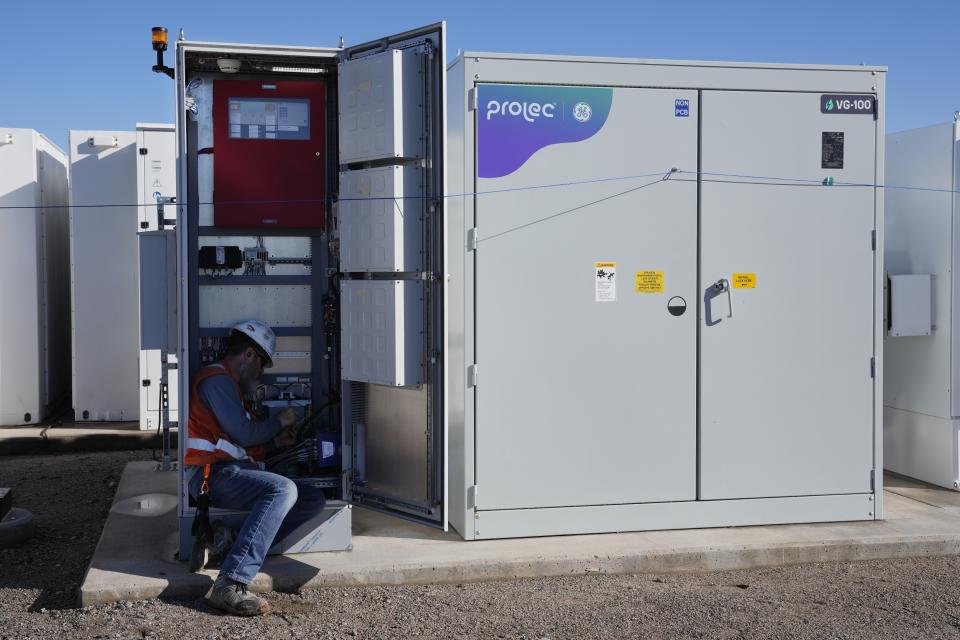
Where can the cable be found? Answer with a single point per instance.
(771, 180)
(664, 178)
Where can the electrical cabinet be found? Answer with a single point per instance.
(156, 179)
(268, 149)
(310, 197)
(664, 284)
(921, 393)
(34, 277)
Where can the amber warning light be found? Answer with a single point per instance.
(158, 36)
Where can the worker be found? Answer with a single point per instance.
(225, 446)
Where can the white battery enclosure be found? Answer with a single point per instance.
(381, 335)
(380, 102)
(380, 219)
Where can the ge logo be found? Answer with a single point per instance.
(582, 112)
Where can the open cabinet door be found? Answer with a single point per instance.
(391, 221)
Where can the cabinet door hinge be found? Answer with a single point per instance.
(873, 239)
(873, 367)
(472, 497)
(472, 239)
(472, 98)
(472, 376)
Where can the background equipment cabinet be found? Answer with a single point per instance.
(116, 178)
(922, 350)
(607, 295)
(156, 178)
(34, 277)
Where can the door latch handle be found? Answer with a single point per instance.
(715, 290)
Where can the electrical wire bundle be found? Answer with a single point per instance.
(304, 452)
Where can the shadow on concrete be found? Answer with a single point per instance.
(62, 434)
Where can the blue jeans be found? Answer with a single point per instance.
(277, 506)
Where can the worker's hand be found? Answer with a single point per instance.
(285, 438)
(287, 417)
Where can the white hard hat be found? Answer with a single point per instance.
(261, 334)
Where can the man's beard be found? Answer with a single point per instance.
(248, 379)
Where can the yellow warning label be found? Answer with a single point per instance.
(744, 281)
(605, 265)
(649, 281)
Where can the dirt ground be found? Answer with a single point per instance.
(71, 493)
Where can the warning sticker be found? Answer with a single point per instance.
(605, 281)
(649, 281)
(744, 281)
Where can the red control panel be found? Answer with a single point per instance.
(269, 153)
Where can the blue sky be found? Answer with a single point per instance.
(85, 64)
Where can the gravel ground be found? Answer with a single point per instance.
(70, 495)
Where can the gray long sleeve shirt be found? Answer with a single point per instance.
(220, 396)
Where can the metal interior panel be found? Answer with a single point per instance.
(381, 219)
(277, 305)
(570, 390)
(396, 443)
(293, 355)
(104, 274)
(294, 253)
(786, 387)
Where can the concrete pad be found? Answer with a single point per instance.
(135, 556)
(77, 437)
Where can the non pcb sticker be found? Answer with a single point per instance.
(605, 281)
(745, 281)
(649, 282)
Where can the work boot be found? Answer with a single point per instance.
(232, 596)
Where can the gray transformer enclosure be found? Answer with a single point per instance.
(665, 294)
(922, 386)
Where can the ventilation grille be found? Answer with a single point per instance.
(358, 402)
